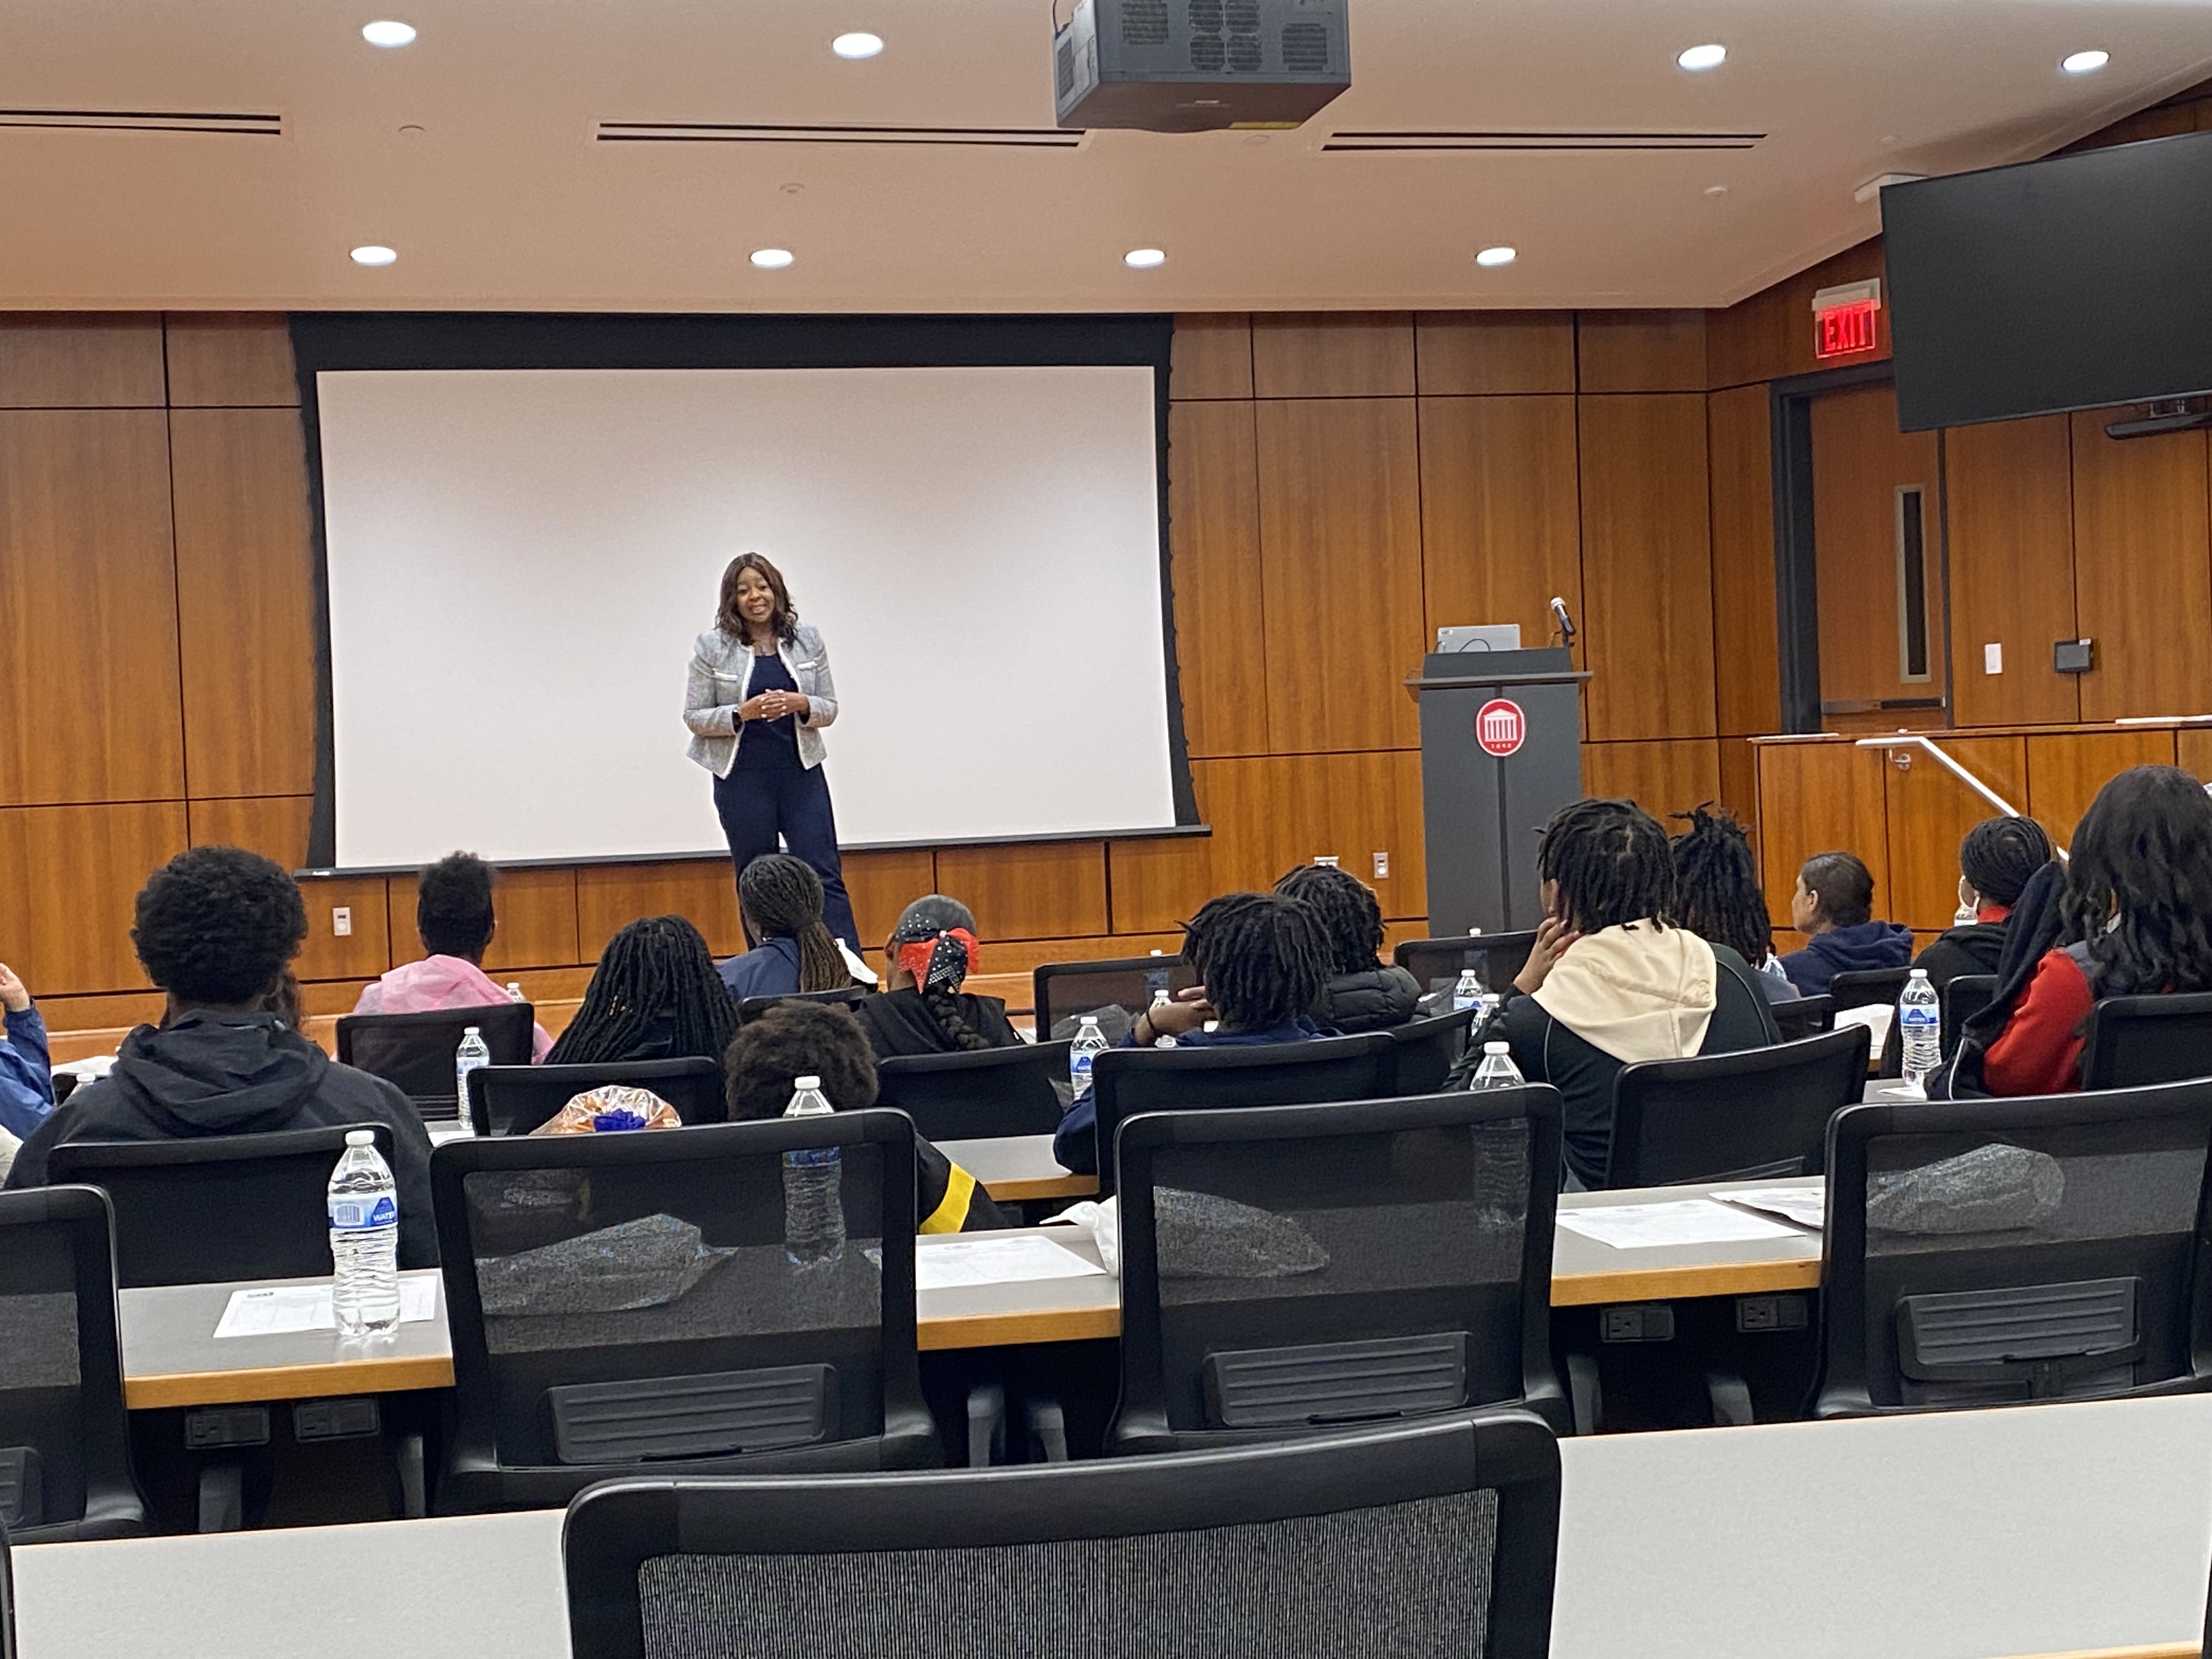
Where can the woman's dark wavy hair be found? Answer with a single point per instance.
(1999, 854)
(1351, 919)
(2139, 887)
(1260, 956)
(454, 913)
(928, 918)
(218, 924)
(1612, 864)
(794, 1040)
(655, 995)
(781, 898)
(782, 620)
(1716, 891)
(1842, 886)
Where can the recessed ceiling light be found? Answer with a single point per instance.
(1497, 256)
(1716, 190)
(374, 254)
(388, 33)
(859, 45)
(1144, 258)
(1703, 58)
(772, 258)
(2081, 63)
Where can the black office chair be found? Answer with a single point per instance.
(512, 1100)
(226, 1207)
(1127, 1081)
(1990, 1252)
(627, 1301)
(1423, 1051)
(1962, 998)
(65, 1468)
(1803, 1017)
(1743, 1116)
(7, 1600)
(1439, 1536)
(2129, 1041)
(1294, 1268)
(752, 1008)
(977, 1095)
(1438, 962)
(1869, 988)
(1061, 991)
(415, 1051)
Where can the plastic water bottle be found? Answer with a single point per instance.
(1920, 1024)
(813, 1199)
(1089, 1042)
(1498, 1070)
(1160, 999)
(364, 1208)
(1469, 992)
(514, 991)
(472, 1052)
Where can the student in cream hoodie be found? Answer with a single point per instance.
(1612, 980)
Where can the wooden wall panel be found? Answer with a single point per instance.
(2142, 571)
(1739, 764)
(1860, 462)
(2065, 770)
(2192, 744)
(1647, 571)
(88, 608)
(881, 884)
(246, 601)
(1477, 352)
(1501, 517)
(609, 896)
(2010, 496)
(1211, 356)
(1335, 354)
(537, 913)
(1770, 335)
(1665, 777)
(1640, 350)
(1048, 891)
(1930, 813)
(365, 952)
(1360, 806)
(274, 826)
(73, 873)
(1818, 797)
(1213, 516)
(230, 360)
(1341, 549)
(1154, 886)
(1747, 659)
(107, 360)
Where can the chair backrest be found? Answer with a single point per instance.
(65, 1437)
(226, 1207)
(1127, 1081)
(1962, 998)
(972, 1095)
(7, 1600)
(624, 1299)
(1869, 988)
(1423, 1051)
(2129, 1041)
(1291, 1269)
(1443, 1533)
(1438, 962)
(1988, 1252)
(1742, 1116)
(415, 1051)
(751, 1008)
(512, 1100)
(1804, 1017)
(1060, 991)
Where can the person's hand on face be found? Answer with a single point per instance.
(1187, 1013)
(1553, 937)
(13, 996)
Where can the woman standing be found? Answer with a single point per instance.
(759, 695)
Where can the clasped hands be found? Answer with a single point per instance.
(775, 705)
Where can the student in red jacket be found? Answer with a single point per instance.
(2137, 923)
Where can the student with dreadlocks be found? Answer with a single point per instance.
(1364, 993)
(922, 1010)
(455, 920)
(655, 996)
(1613, 978)
(780, 897)
(1995, 861)
(1262, 963)
(1718, 895)
(2135, 923)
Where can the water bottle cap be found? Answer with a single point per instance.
(360, 1138)
(1919, 973)
(1090, 1022)
(806, 1083)
(1497, 1048)
(471, 1032)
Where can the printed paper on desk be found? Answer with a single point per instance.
(279, 1310)
(1806, 1206)
(1684, 1221)
(994, 1259)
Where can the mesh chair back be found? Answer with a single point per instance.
(1296, 1268)
(1127, 1081)
(512, 1100)
(1869, 988)
(227, 1207)
(751, 1008)
(1962, 998)
(415, 1051)
(7, 1600)
(1438, 962)
(1442, 1534)
(64, 1441)
(620, 1300)
(1993, 1251)
(1423, 1051)
(1762, 1112)
(1061, 991)
(2130, 1041)
(974, 1096)
(1804, 1017)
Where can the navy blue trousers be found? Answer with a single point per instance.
(792, 801)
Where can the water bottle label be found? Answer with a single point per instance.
(1910, 1015)
(349, 1214)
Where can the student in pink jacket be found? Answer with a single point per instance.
(453, 914)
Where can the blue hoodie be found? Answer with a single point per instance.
(26, 1078)
(1863, 945)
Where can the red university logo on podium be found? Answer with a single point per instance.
(1500, 727)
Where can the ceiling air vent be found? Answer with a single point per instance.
(139, 120)
(738, 132)
(1533, 143)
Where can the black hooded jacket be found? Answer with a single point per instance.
(235, 1074)
(1371, 1000)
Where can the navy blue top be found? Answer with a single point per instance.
(767, 746)
(771, 970)
(1075, 1144)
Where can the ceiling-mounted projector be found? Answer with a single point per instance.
(1199, 65)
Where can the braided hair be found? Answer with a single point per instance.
(1999, 854)
(2139, 887)
(1345, 907)
(1260, 956)
(1716, 891)
(934, 940)
(781, 898)
(1612, 863)
(655, 995)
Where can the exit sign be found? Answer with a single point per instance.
(1843, 320)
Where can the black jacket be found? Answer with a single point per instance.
(900, 1023)
(237, 1074)
(1372, 1000)
(1975, 948)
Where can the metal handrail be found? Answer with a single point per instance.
(1915, 740)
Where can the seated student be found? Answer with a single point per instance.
(1364, 993)
(1612, 979)
(1995, 861)
(1717, 897)
(654, 995)
(1261, 963)
(2136, 922)
(1834, 905)
(813, 1039)
(922, 1010)
(27, 1075)
(216, 927)
(455, 920)
(780, 898)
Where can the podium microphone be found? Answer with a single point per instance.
(1563, 621)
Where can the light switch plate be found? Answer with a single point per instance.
(1993, 660)
(1382, 866)
(341, 921)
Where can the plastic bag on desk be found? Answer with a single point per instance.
(609, 1107)
(1103, 1221)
